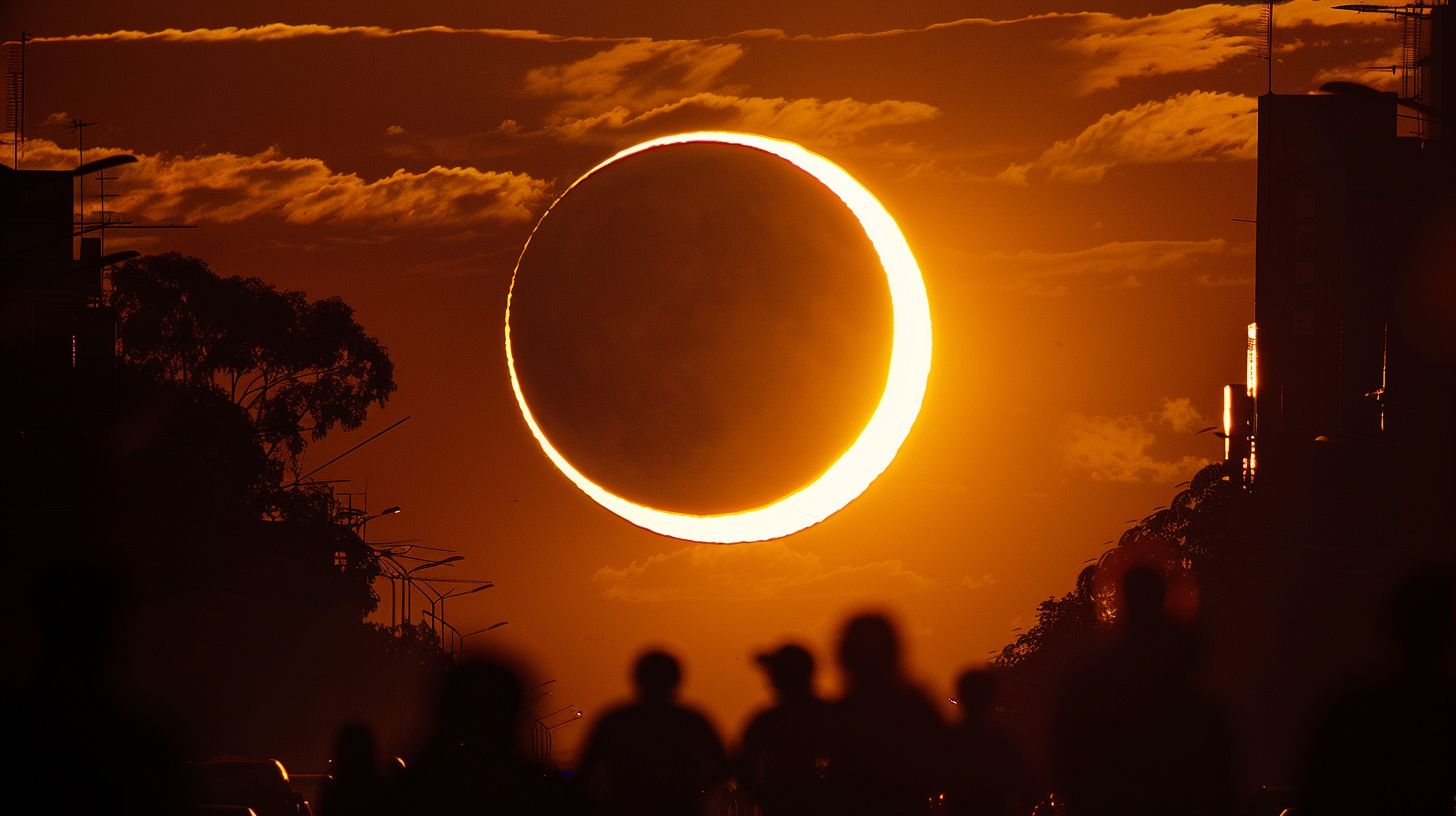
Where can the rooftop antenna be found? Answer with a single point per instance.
(79, 128)
(15, 96)
(1266, 47)
(1418, 51)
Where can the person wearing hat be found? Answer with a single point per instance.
(784, 747)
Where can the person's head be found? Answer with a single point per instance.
(656, 676)
(481, 704)
(1143, 595)
(976, 693)
(790, 669)
(354, 752)
(869, 651)
(1421, 617)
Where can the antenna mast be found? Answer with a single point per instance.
(1266, 48)
(15, 96)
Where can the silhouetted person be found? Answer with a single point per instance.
(474, 762)
(71, 743)
(783, 746)
(887, 744)
(1388, 745)
(356, 785)
(652, 757)
(987, 772)
(1133, 735)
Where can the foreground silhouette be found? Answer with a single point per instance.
(785, 745)
(474, 760)
(652, 757)
(887, 741)
(1388, 745)
(1133, 734)
(356, 786)
(71, 741)
(987, 775)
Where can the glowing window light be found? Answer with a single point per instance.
(879, 441)
(1228, 420)
(1251, 361)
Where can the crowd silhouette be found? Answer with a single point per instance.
(1134, 732)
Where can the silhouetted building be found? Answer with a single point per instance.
(1349, 382)
(55, 317)
(1340, 431)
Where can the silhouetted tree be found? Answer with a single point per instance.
(1179, 538)
(299, 368)
(251, 599)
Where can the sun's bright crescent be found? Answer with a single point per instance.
(879, 441)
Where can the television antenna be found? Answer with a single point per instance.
(15, 96)
(1266, 42)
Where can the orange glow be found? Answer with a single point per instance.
(1251, 362)
(879, 441)
(1228, 419)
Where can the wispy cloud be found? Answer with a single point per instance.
(273, 32)
(824, 123)
(641, 88)
(229, 187)
(1194, 126)
(636, 75)
(1377, 73)
(1117, 263)
(1120, 449)
(1190, 39)
(1115, 48)
(758, 571)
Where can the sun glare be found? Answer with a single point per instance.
(879, 441)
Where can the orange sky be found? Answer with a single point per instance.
(1067, 174)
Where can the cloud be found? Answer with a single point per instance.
(822, 122)
(272, 32)
(1189, 39)
(229, 187)
(636, 75)
(641, 88)
(975, 582)
(1119, 449)
(1051, 273)
(1200, 126)
(1180, 415)
(1368, 73)
(758, 571)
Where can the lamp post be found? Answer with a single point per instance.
(363, 523)
(490, 628)
(409, 578)
(440, 599)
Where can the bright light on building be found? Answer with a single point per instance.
(1251, 362)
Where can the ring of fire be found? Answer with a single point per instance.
(894, 415)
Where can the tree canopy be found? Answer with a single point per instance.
(299, 368)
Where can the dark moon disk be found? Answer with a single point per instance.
(701, 328)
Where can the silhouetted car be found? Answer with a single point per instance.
(259, 784)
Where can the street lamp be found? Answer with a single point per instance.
(440, 599)
(493, 626)
(363, 523)
(409, 577)
(566, 723)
